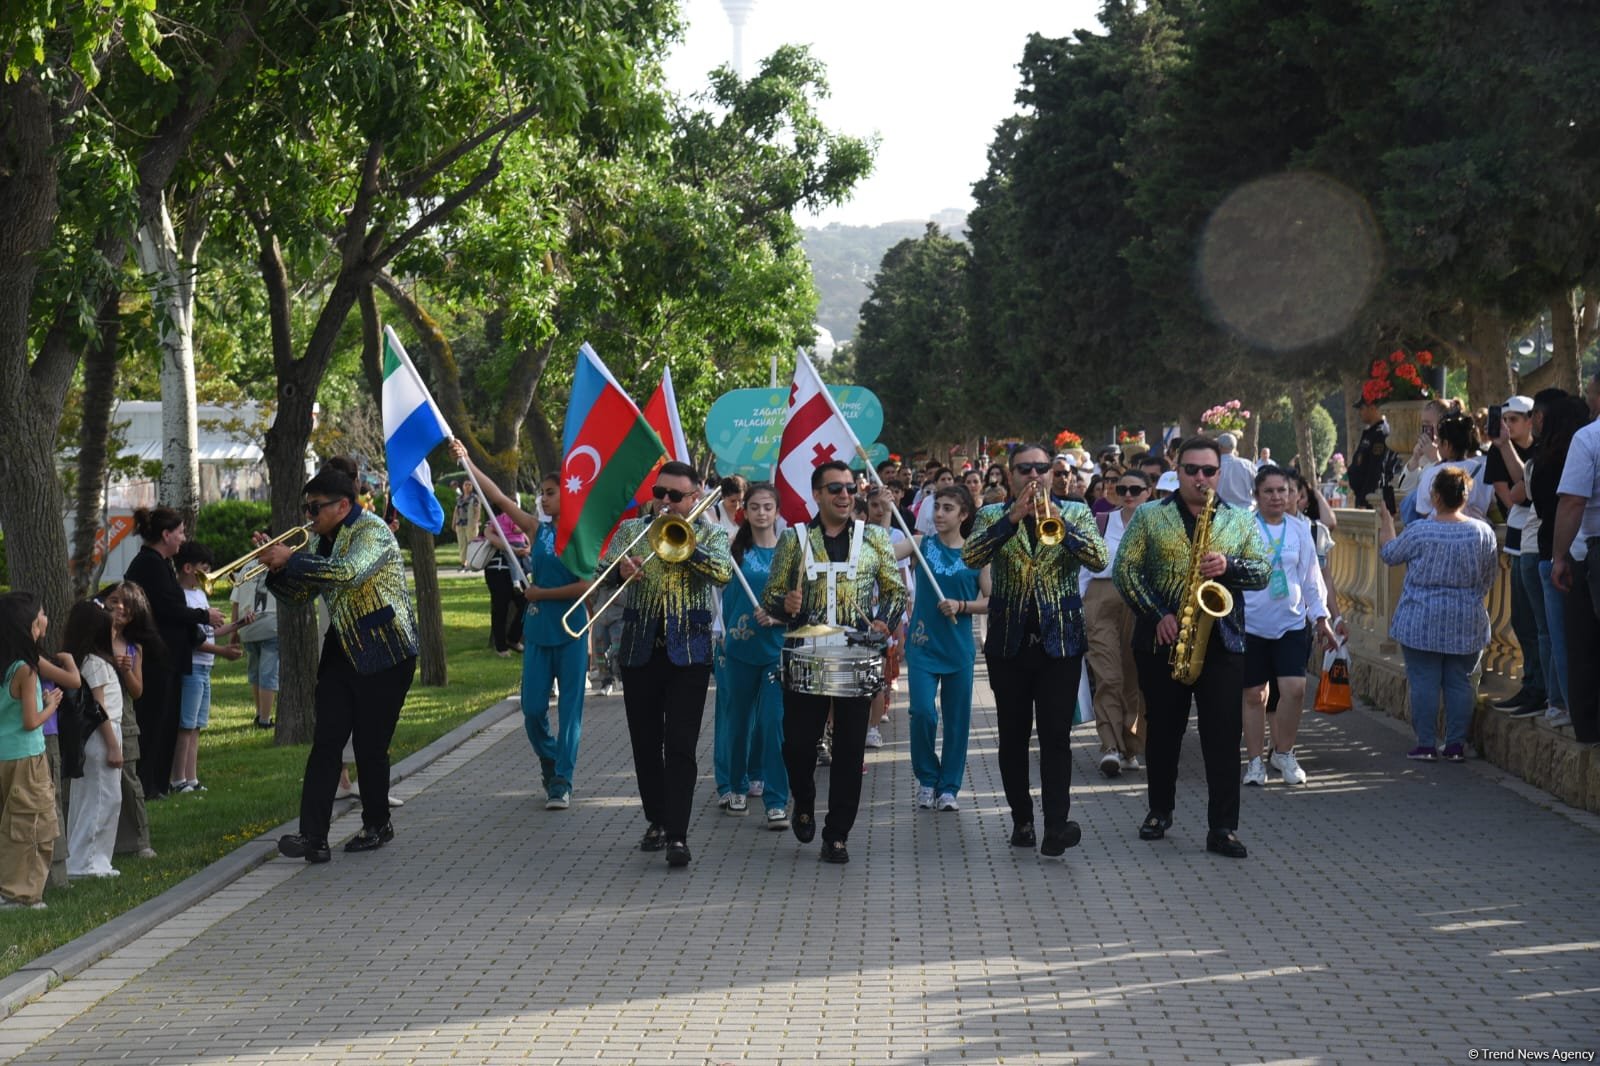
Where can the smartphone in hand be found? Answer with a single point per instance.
(1494, 421)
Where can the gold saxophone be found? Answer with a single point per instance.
(1203, 602)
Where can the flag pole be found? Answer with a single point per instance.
(872, 474)
(518, 579)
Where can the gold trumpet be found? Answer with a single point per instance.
(300, 535)
(1051, 529)
(671, 539)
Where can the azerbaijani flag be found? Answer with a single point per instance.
(412, 427)
(608, 449)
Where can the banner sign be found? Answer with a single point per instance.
(745, 426)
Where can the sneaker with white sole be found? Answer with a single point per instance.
(925, 798)
(1256, 772)
(1131, 762)
(738, 805)
(558, 801)
(725, 799)
(1111, 764)
(777, 818)
(756, 789)
(947, 802)
(1555, 717)
(1286, 764)
(874, 738)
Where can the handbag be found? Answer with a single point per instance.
(1333, 690)
(479, 552)
(78, 715)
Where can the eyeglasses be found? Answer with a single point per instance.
(1131, 490)
(663, 493)
(315, 507)
(1205, 469)
(1032, 468)
(833, 488)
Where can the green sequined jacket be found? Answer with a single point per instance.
(1025, 575)
(361, 577)
(876, 572)
(671, 603)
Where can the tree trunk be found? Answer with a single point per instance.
(546, 445)
(172, 297)
(99, 395)
(1352, 416)
(1566, 327)
(1301, 400)
(1490, 374)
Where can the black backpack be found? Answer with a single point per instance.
(77, 716)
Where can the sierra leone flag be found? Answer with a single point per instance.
(412, 427)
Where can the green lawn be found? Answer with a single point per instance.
(253, 785)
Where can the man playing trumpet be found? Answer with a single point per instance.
(1036, 642)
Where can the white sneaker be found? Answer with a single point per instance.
(737, 804)
(777, 818)
(1555, 718)
(725, 799)
(1111, 764)
(874, 738)
(947, 802)
(1131, 762)
(1256, 772)
(1286, 764)
(925, 798)
(756, 789)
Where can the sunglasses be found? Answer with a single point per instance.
(833, 488)
(1032, 468)
(674, 495)
(1131, 490)
(1204, 469)
(315, 508)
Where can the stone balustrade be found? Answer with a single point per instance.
(1368, 592)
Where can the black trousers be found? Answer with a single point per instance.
(506, 608)
(1031, 687)
(157, 712)
(804, 718)
(665, 703)
(1218, 693)
(363, 709)
(1583, 637)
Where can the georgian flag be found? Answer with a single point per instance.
(813, 433)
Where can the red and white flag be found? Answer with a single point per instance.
(813, 433)
(662, 414)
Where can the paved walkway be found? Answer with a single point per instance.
(1389, 912)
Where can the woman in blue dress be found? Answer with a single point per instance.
(748, 749)
(941, 650)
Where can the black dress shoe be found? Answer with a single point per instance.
(1154, 826)
(655, 838)
(1056, 842)
(296, 846)
(834, 851)
(677, 854)
(805, 827)
(265, 725)
(1223, 842)
(1022, 836)
(370, 839)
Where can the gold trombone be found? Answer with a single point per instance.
(1051, 529)
(671, 539)
(301, 536)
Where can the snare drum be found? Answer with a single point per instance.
(834, 670)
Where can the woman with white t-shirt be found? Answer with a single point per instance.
(97, 795)
(1278, 624)
(1108, 624)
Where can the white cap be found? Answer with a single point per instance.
(1518, 405)
(1168, 482)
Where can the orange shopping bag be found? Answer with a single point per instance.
(1333, 691)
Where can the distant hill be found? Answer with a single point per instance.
(845, 258)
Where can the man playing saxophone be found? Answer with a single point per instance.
(1173, 556)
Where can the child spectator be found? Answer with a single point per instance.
(133, 640)
(28, 823)
(260, 639)
(194, 707)
(97, 795)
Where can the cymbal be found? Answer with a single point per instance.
(815, 631)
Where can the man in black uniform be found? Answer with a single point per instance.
(1372, 465)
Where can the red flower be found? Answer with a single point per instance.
(1397, 356)
(1425, 358)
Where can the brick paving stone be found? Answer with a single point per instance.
(1388, 912)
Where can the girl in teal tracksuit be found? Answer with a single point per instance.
(941, 650)
(749, 714)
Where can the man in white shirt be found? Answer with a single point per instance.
(1236, 481)
(1578, 575)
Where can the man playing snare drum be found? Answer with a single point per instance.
(824, 574)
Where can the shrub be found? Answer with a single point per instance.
(225, 526)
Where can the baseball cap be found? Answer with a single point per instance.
(1167, 482)
(1518, 405)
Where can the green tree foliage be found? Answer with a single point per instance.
(843, 260)
(1278, 433)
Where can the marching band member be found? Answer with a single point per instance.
(749, 727)
(940, 649)
(549, 653)
(1153, 574)
(1036, 641)
(826, 572)
(666, 657)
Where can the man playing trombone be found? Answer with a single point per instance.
(665, 656)
(369, 656)
(1036, 642)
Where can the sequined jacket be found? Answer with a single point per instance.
(360, 576)
(876, 572)
(672, 603)
(1152, 566)
(1024, 573)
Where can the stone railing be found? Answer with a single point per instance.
(1368, 592)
